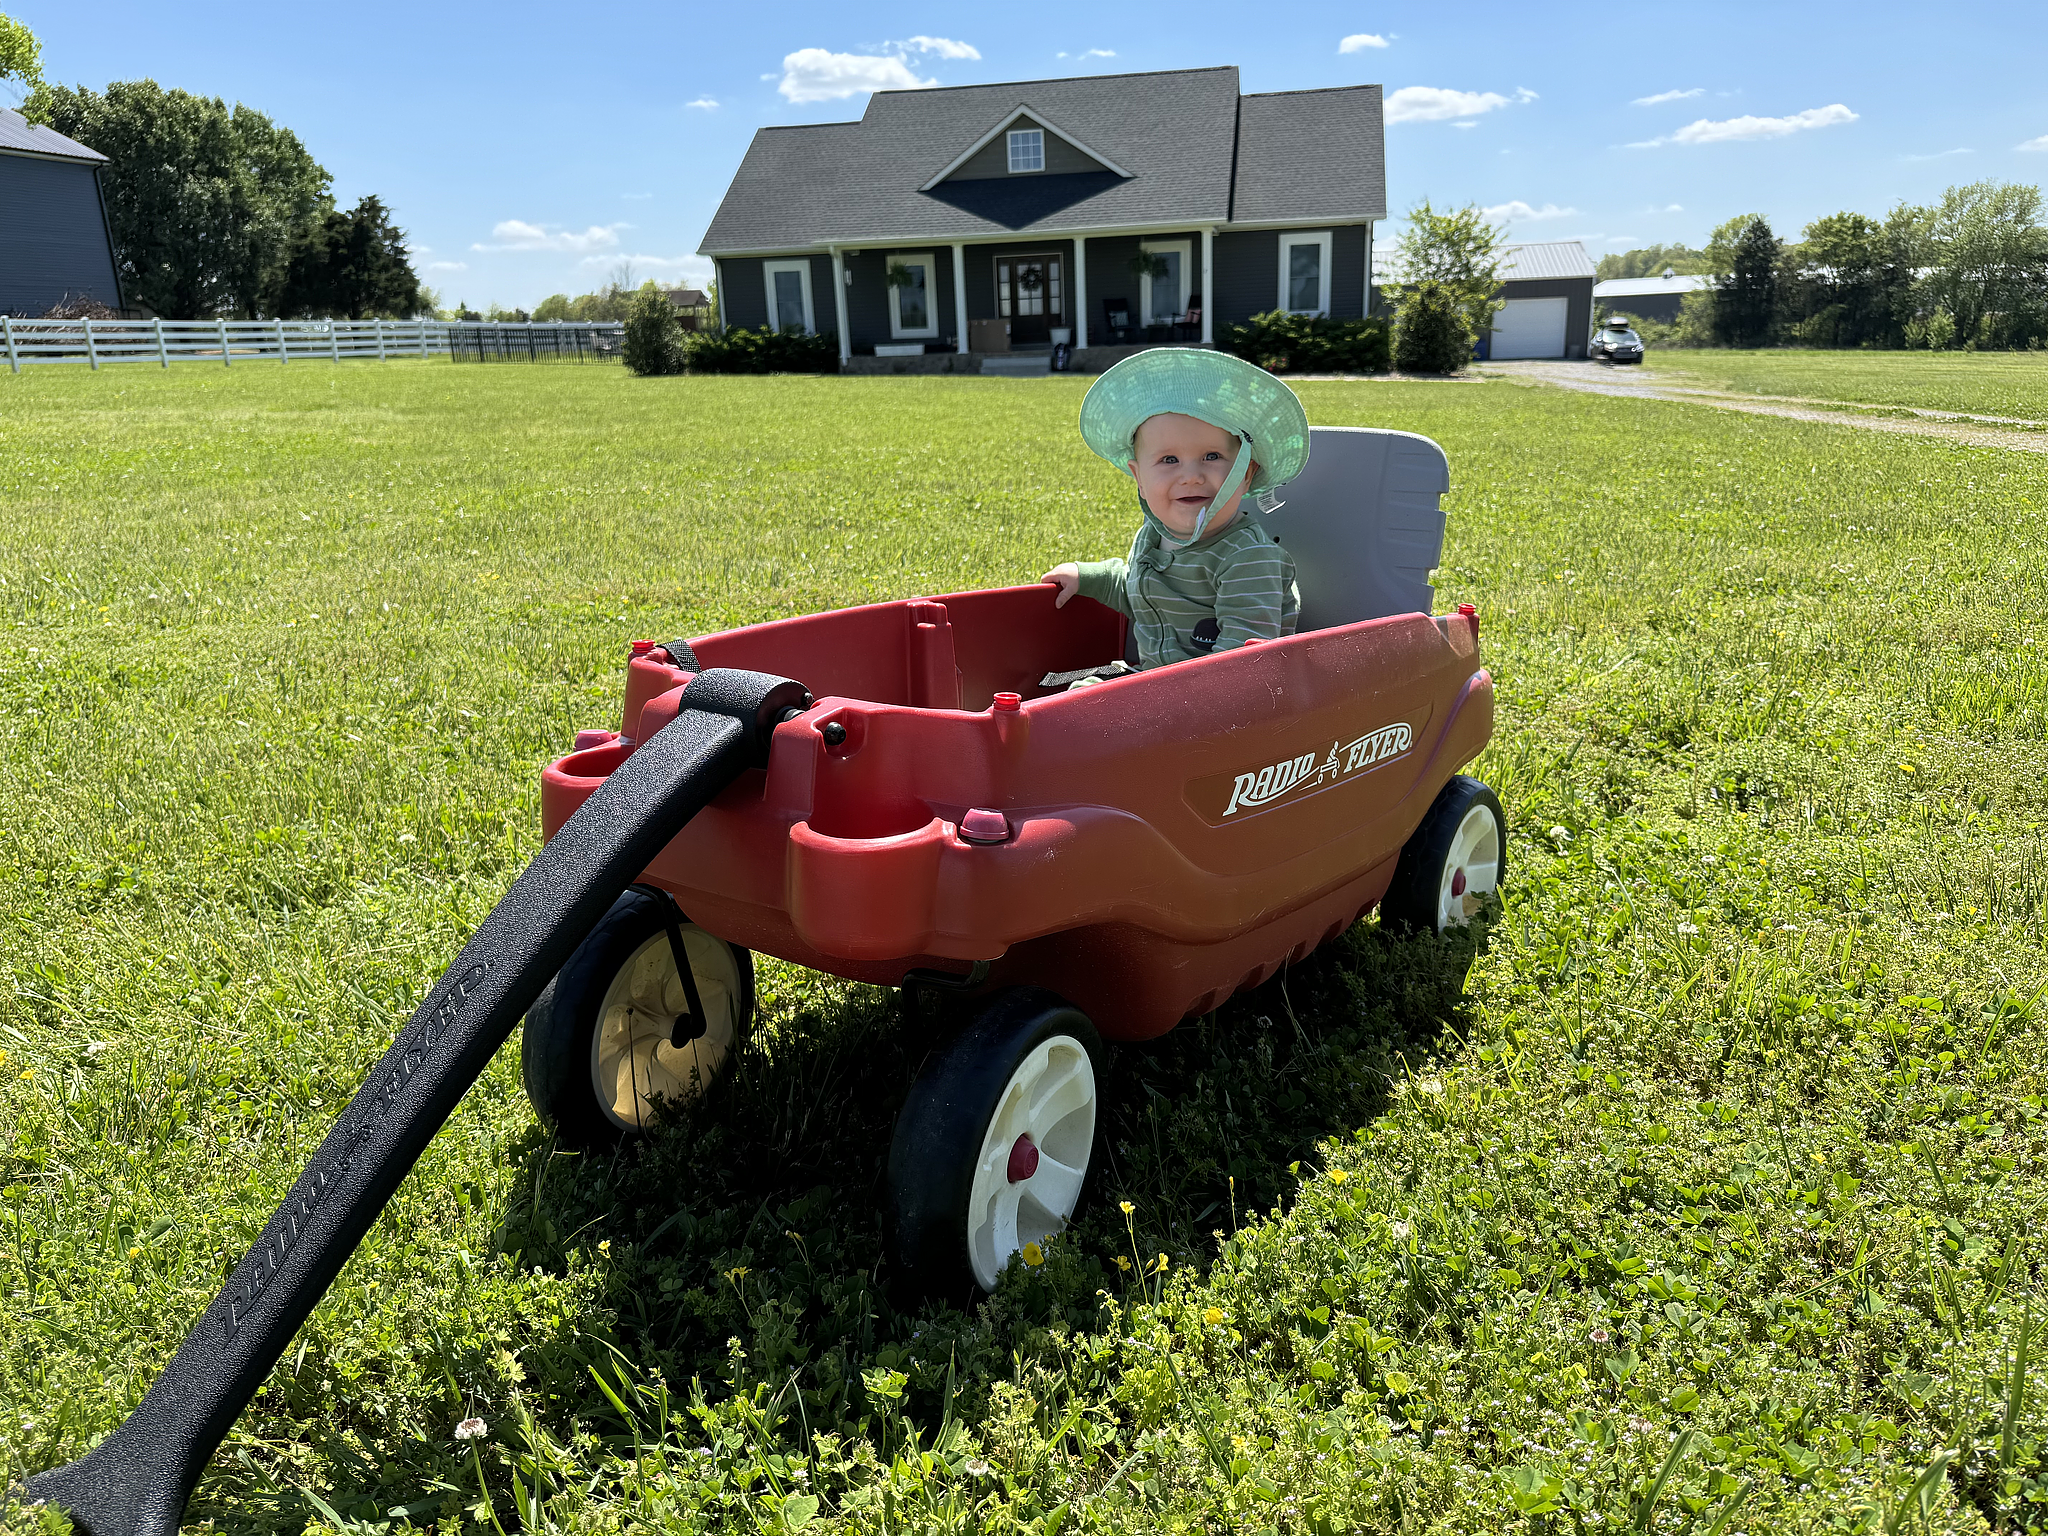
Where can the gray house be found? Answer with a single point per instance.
(946, 228)
(54, 243)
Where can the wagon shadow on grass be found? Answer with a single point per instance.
(755, 1216)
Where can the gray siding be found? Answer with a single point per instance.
(1248, 273)
(981, 275)
(867, 298)
(1578, 311)
(743, 291)
(53, 236)
(993, 158)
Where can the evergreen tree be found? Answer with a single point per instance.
(351, 266)
(1745, 256)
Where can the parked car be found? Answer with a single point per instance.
(1615, 342)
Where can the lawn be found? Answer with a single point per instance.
(1705, 1199)
(1984, 383)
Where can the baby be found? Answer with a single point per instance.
(1196, 430)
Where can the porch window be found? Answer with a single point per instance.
(789, 295)
(1163, 299)
(1027, 150)
(913, 297)
(1305, 272)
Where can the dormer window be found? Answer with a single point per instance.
(1027, 150)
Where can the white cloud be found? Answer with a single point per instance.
(1519, 212)
(2034, 145)
(703, 104)
(685, 269)
(816, 74)
(1524, 94)
(1944, 154)
(1661, 97)
(518, 235)
(1089, 53)
(1733, 129)
(944, 47)
(1358, 40)
(447, 266)
(1434, 104)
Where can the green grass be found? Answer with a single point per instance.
(1706, 1199)
(1984, 383)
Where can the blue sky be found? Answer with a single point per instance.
(529, 149)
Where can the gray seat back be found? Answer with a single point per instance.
(1363, 524)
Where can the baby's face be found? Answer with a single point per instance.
(1181, 464)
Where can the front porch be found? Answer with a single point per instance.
(1020, 362)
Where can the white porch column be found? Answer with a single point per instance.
(1208, 286)
(717, 292)
(960, 293)
(1368, 271)
(839, 303)
(1080, 292)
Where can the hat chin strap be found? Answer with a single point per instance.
(1231, 482)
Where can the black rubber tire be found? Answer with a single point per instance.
(556, 1052)
(940, 1130)
(1411, 901)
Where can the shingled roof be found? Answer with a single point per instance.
(1196, 152)
(17, 137)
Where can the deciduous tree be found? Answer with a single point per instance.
(206, 204)
(1458, 252)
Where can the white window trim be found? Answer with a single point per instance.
(929, 331)
(1187, 257)
(1290, 238)
(801, 266)
(1010, 143)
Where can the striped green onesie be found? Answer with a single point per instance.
(1233, 586)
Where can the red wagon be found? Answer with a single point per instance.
(894, 794)
(1111, 859)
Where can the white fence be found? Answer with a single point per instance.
(288, 341)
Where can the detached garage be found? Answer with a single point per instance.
(1548, 289)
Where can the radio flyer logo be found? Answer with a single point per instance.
(1341, 762)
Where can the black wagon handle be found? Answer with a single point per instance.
(136, 1481)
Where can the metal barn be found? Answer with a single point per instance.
(54, 242)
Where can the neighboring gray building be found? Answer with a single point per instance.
(54, 241)
(1648, 298)
(1548, 288)
(1001, 218)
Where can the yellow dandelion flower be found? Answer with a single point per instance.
(1907, 768)
(1338, 1175)
(605, 1246)
(134, 1253)
(1033, 1255)
(1213, 1316)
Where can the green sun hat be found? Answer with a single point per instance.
(1228, 392)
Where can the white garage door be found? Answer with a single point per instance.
(1529, 328)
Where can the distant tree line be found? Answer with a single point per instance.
(218, 211)
(1969, 272)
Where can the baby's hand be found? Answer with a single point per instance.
(1067, 578)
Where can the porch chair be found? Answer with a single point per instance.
(1116, 318)
(1189, 326)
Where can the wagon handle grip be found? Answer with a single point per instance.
(136, 1481)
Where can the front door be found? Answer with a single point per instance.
(1030, 295)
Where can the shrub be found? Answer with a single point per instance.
(739, 350)
(654, 335)
(1432, 334)
(1284, 343)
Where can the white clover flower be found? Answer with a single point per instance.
(470, 1429)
